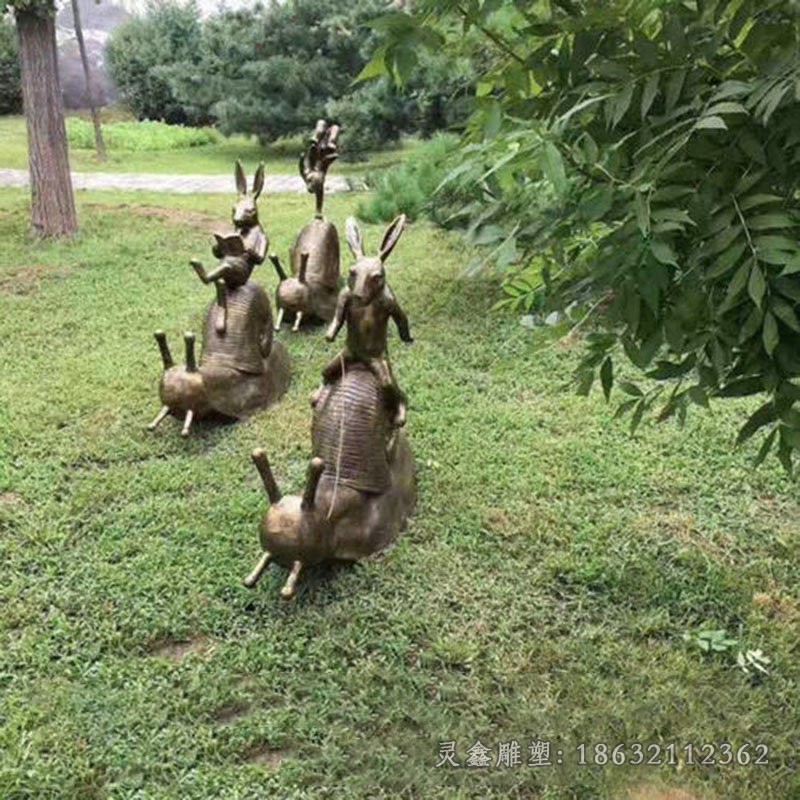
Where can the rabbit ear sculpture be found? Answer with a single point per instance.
(366, 305)
(315, 252)
(240, 370)
(245, 215)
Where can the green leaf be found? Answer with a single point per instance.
(767, 221)
(584, 383)
(663, 252)
(674, 86)
(727, 108)
(770, 333)
(756, 200)
(766, 446)
(710, 123)
(630, 388)
(756, 286)
(790, 436)
(697, 394)
(742, 387)
(493, 119)
(726, 261)
(553, 166)
(752, 325)
(649, 93)
(374, 68)
(636, 419)
(404, 61)
(779, 257)
(784, 312)
(623, 408)
(792, 266)
(758, 419)
(607, 377)
(775, 243)
(621, 104)
(642, 213)
(735, 287)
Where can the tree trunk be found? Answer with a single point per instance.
(98, 133)
(52, 202)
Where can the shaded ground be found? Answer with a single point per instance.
(542, 592)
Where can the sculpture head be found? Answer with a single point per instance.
(181, 389)
(367, 277)
(291, 531)
(321, 152)
(245, 212)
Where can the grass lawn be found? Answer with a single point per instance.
(542, 591)
(212, 159)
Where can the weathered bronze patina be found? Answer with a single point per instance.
(311, 288)
(367, 304)
(241, 369)
(360, 487)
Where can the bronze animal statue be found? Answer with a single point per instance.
(311, 288)
(359, 490)
(367, 304)
(240, 369)
(244, 215)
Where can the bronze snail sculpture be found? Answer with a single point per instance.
(310, 291)
(240, 370)
(360, 487)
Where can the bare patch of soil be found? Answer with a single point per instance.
(265, 756)
(12, 499)
(174, 650)
(778, 605)
(650, 792)
(25, 280)
(230, 713)
(175, 216)
(681, 526)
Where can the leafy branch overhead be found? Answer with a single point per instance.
(641, 159)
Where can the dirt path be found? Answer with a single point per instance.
(182, 184)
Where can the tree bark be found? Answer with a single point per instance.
(52, 201)
(98, 133)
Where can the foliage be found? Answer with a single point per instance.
(140, 52)
(409, 187)
(134, 137)
(41, 8)
(371, 116)
(645, 153)
(10, 79)
(134, 664)
(272, 70)
(269, 72)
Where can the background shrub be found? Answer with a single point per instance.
(10, 82)
(141, 51)
(271, 71)
(409, 187)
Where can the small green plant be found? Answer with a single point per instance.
(718, 641)
(712, 641)
(133, 137)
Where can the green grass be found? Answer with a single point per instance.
(211, 159)
(542, 590)
(130, 136)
